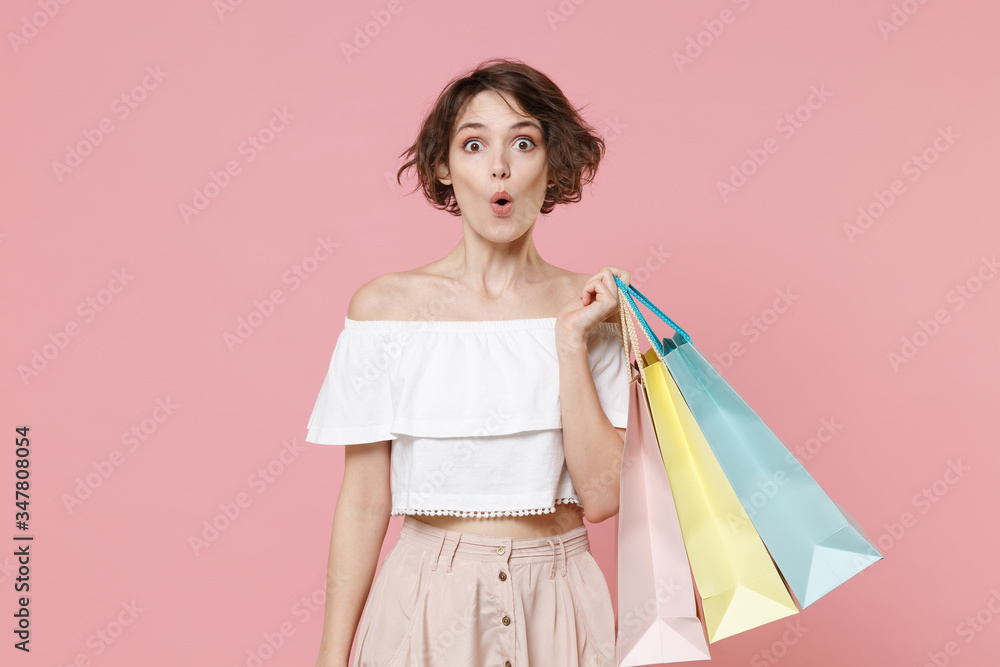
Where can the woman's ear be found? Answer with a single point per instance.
(442, 173)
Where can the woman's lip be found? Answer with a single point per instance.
(502, 194)
(502, 211)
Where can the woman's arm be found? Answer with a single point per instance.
(592, 445)
(360, 521)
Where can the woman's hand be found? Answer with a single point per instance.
(596, 302)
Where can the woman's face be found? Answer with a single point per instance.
(493, 148)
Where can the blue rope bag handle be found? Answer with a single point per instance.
(629, 290)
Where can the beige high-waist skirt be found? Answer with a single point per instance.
(448, 599)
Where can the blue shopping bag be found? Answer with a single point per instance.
(815, 543)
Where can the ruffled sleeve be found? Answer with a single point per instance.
(610, 369)
(456, 379)
(354, 405)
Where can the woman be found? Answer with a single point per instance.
(504, 410)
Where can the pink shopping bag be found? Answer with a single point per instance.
(658, 618)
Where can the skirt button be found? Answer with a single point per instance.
(503, 576)
(500, 550)
(505, 620)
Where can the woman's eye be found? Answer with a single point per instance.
(519, 143)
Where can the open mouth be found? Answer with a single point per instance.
(500, 198)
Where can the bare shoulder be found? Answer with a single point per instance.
(377, 299)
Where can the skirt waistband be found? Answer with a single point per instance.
(449, 544)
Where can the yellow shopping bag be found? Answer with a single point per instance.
(738, 583)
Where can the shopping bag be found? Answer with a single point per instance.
(657, 613)
(738, 583)
(815, 543)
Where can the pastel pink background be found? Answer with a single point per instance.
(672, 134)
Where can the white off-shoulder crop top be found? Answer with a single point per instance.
(471, 409)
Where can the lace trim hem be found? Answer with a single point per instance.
(486, 514)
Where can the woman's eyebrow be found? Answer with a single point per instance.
(473, 125)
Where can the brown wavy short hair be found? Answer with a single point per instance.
(573, 150)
